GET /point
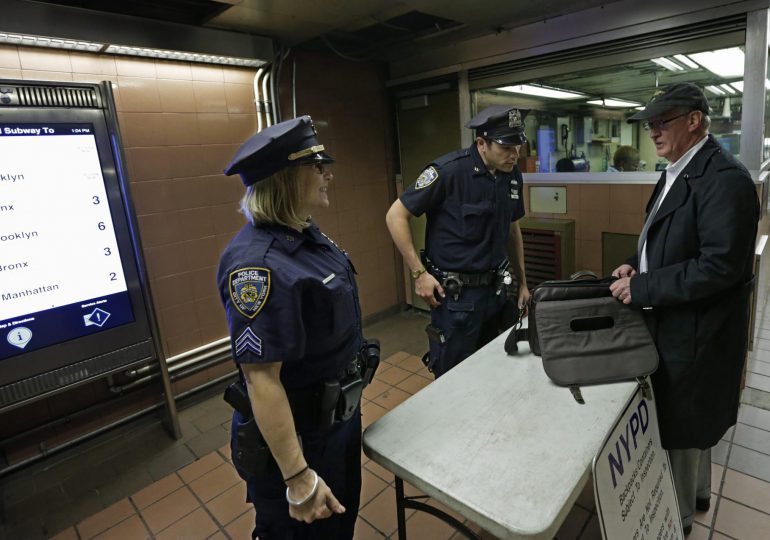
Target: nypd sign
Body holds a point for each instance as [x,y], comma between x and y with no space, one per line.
[633,486]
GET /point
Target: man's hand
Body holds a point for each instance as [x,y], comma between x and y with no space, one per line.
[623,271]
[320,506]
[523,301]
[424,287]
[621,289]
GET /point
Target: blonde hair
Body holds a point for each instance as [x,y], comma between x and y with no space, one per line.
[276,199]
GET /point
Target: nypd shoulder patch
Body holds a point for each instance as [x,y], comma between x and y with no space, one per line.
[427,177]
[249,289]
[248,341]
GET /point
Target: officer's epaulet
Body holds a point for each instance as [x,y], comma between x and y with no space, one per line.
[450,157]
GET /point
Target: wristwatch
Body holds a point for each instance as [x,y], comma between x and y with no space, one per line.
[417,273]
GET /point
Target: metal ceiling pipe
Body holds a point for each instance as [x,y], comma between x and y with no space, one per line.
[257,99]
[267,99]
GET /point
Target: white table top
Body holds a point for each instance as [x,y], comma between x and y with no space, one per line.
[495,440]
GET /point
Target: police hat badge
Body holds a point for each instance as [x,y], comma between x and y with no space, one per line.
[514,118]
[249,288]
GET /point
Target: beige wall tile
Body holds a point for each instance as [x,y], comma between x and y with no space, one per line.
[139,95]
[593,224]
[180,129]
[158,229]
[208,72]
[128,66]
[242,126]
[210,97]
[179,320]
[9,57]
[625,223]
[205,278]
[625,198]
[240,98]
[7,73]
[176,96]
[594,197]
[92,63]
[40,59]
[148,162]
[214,128]
[215,157]
[239,75]
[61,76]
[142,129]
[180,343]
[169,69]
[185,161]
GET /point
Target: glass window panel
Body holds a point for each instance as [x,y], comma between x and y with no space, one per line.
[586,129]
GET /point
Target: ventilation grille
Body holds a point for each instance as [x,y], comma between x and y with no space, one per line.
[542,255]
[58,96]
[72,374]
[618,46]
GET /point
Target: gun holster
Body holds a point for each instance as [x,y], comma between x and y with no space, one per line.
[251,455]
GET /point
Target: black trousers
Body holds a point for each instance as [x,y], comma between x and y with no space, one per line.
[335,454]
[477,317]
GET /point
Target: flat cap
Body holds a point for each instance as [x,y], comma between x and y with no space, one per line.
[501,123]
[680,95]
[293,142]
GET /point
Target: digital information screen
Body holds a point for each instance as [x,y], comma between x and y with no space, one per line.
[61,275]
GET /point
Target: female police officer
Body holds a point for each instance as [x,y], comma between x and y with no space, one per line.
[295,326]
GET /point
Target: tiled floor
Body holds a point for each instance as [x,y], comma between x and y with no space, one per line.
[137,484]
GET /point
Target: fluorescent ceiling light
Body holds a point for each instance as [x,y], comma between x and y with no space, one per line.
[668,64]
[686,61]
[727,88]
[184,56]
[611,102]
[738,85]
[639,108]
[53,43]
[541,91]
[724,62]
[89,46]
[715,90]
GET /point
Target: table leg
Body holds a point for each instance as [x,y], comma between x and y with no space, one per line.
[400,509]
[402,503]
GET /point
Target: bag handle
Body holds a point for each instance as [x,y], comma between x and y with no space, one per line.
[582,274]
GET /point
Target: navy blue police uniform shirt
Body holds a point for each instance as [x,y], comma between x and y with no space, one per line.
[290,297]
[468,211]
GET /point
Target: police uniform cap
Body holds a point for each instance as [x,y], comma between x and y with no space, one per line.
[501,123]
[292,142]
[681,95]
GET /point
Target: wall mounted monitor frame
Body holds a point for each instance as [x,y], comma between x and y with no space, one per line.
[74,296]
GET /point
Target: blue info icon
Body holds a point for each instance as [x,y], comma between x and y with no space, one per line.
[19,336]
[96,318]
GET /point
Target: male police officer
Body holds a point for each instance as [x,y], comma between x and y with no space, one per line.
[472,199]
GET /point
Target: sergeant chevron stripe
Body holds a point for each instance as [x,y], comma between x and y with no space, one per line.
[248,341]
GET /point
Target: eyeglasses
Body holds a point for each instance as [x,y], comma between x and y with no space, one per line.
[320,168]
[660,125]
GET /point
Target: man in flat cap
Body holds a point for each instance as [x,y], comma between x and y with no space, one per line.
[473,199]
[693,275]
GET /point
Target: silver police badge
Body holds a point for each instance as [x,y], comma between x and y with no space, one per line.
[514,190]
[514,118]
[427,177]
[249,288]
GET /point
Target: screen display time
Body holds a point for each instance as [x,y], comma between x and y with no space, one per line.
[61,275]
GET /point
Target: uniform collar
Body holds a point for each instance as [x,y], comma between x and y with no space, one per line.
[479,167]
[288,238]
